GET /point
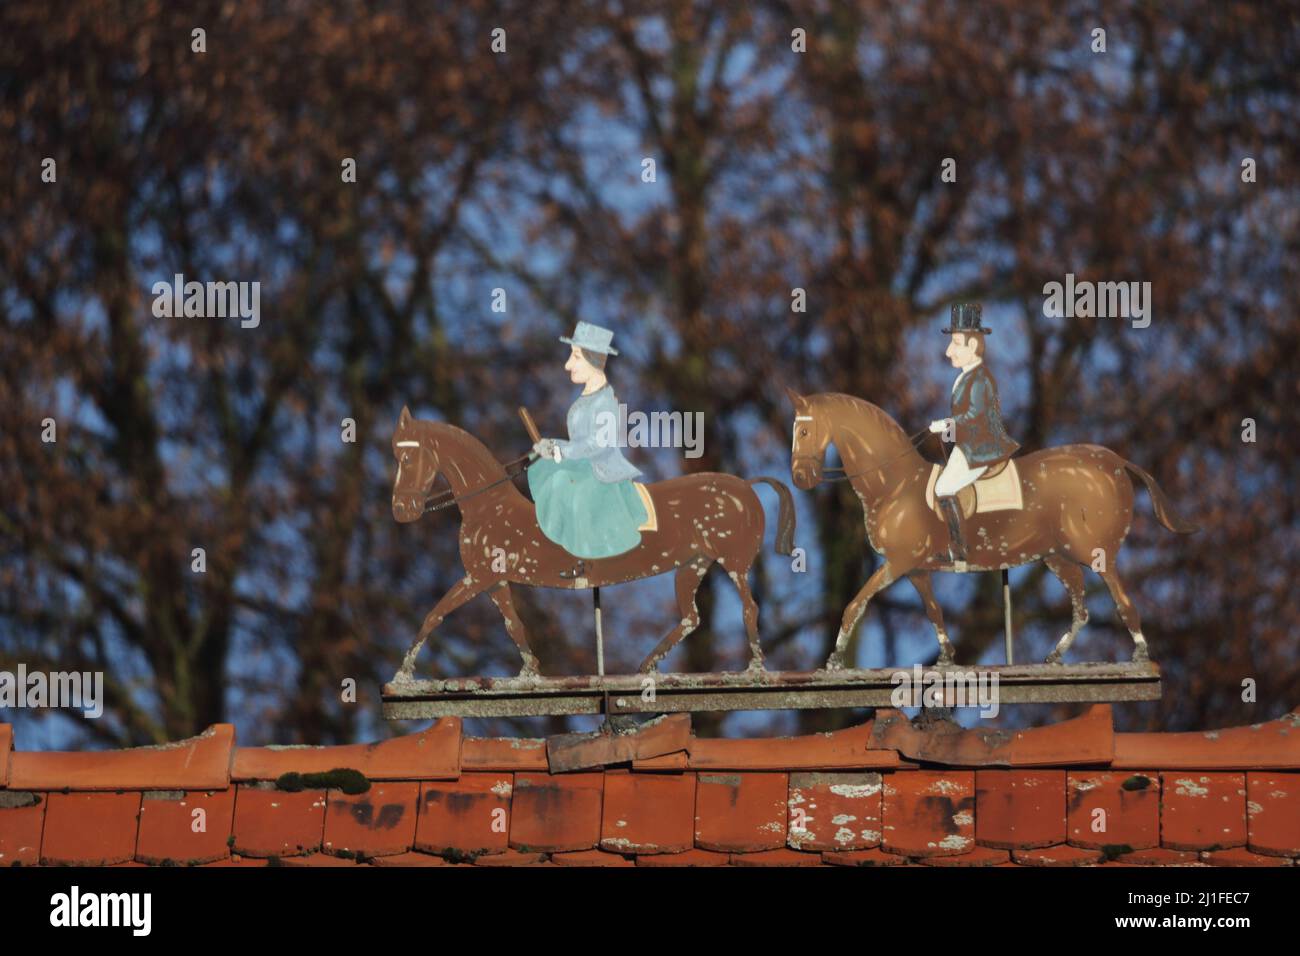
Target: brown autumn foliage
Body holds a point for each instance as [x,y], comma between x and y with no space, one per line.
[775,170]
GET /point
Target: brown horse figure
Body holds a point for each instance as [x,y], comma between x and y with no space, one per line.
[701,519]
[1078,506]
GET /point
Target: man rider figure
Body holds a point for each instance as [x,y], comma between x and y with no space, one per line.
[976,423]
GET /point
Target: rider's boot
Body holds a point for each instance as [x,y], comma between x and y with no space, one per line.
[956,544]
[578,570]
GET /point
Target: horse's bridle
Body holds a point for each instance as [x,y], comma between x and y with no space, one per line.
[912,443]
[445,499]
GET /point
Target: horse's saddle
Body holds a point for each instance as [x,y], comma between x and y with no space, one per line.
[651,522]
[996,490]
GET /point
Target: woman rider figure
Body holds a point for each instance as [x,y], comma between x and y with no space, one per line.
[582,487]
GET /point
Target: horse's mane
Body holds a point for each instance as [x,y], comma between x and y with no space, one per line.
[477,453]
[861,407]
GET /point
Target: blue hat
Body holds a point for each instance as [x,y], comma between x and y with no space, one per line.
[592,338]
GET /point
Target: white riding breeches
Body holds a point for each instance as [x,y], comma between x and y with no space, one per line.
[956,475]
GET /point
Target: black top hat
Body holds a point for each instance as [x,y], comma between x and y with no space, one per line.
[966,318]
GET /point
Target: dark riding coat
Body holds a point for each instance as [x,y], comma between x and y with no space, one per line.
[977,419]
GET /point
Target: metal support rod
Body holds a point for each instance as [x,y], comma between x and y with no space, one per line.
[600,637]
[1006,612]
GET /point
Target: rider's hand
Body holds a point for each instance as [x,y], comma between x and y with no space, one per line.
[939,425]
[546,448]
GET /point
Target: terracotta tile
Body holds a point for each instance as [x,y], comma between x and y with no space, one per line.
[1202,811]
[834,811]
[465,818]
[782,857]
[980,856]
[314,860]
[432,754]
[873,857]
[1063,855]
[241,861]
[556,813]
[503,753]
[379,822]
[672,763]
[1158,856]
[662,735]
[90,829]
[413,858]
[929,812]
[511,858]
[1273,813]
[1274,745]
[276,823]
[1019,808]
[1088,739]
[689,858]
[648,812]
[848,749]
[740,812]
[6,748]
[199,763]
[590,858]
[1240,856]
[22,817]
[171,828]
[1129,805]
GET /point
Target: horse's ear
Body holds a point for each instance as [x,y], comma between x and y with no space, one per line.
[405,417]
[796,399]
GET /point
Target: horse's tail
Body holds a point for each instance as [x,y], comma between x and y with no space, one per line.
[1160,503]
[785,516]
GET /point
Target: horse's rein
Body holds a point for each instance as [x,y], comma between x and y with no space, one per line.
[445,499]
[912,442]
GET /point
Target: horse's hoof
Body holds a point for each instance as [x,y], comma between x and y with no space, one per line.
[833,663]
[756,666]
[1053,658]
[1141,655]
[404,675]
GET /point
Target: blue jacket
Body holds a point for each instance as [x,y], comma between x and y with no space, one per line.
[977,417]
[594,430]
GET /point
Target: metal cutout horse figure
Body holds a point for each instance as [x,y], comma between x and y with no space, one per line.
[702,519]
[1078,505]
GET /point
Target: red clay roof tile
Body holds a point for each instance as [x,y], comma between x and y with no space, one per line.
[834,811]
[590,858]
[1202,811]
[1273,813]
[22,818]
[663,735]
[669,763]
[979,856]
[1113,809]
[741,812]
[185,827]
[689,858]
[6,747]
[432,754]
[848,749]
[1274,745]
[782,857]
[1088,739]
[277,823]
[556,813]
[1020,808]
[465,818]
[648,812]
[503,753]
[198,763]
[511,858]
[379,822]
[413,858]
[90,829]
[929,813]
[1062,855]
[1240,856]
[316,859]
[873,857]
[1158,856]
